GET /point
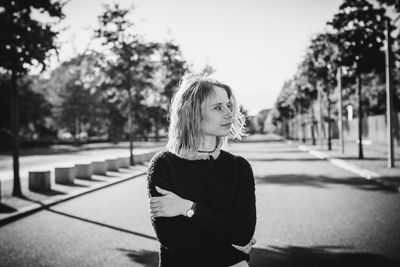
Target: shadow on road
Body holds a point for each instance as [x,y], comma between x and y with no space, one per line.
[6,209]
[263,150]
[323,182]
[290,256]
[282,159]
[50,192]
[326,256]
[102,224]
[145,257]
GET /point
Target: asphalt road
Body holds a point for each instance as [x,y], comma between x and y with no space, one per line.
[310,213]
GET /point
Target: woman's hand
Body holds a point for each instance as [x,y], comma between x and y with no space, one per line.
[246,249]
[168,205]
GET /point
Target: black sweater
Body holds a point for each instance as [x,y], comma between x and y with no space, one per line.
[223,193]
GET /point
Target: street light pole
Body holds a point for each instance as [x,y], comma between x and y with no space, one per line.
[339,83]
[320,125]
[389,97]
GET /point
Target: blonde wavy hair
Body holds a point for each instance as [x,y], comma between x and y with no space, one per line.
[186,115]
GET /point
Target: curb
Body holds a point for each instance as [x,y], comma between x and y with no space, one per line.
[367,174]
[41,205]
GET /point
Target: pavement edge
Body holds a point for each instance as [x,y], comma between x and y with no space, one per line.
[364,173]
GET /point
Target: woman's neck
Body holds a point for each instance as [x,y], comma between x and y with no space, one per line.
[208,143]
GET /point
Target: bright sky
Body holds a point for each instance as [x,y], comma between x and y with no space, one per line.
[255,45]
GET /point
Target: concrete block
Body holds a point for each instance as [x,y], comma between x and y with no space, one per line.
[39,181]
[84,171]
[99,167]
[112,165]
[138,158]
[148,156]
[65,175]
[123,162]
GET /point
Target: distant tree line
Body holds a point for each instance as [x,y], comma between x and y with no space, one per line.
[122,91]
[354,42]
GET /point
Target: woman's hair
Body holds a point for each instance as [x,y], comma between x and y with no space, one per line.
[184,134]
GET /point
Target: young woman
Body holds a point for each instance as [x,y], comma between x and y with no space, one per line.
[202,198]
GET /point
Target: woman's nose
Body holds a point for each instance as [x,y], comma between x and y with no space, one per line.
[229,113]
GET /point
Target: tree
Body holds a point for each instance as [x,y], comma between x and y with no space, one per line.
[168,72]
[307,81]
[75,90]
[131,68]
[325,63]
[359,34]
[24,42]
[35,118]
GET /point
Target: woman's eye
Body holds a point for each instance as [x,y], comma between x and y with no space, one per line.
[218,107]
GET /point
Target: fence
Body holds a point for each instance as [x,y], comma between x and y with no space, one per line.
[374,129]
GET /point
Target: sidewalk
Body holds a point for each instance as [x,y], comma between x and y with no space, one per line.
[373,166]
[13,208]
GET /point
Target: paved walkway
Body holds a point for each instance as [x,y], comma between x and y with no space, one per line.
[374,166]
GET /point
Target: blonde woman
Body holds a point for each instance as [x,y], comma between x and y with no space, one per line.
[202,198]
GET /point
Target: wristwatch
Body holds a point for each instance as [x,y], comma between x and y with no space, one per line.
[190,212]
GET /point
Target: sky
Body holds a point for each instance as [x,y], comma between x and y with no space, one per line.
[254,45]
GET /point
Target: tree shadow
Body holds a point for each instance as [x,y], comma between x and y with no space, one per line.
[326,256]
[283,159]
[320,181]
[91,179]
[146,257]
[50,192]
[6,209]
[109,175]
[72,184]
[267,151]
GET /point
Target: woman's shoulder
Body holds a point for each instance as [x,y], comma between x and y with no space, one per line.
[160,157]
[237,159]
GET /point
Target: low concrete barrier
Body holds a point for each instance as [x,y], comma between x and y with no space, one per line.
[99,167]
[84,171]
[123,162]
[39,181]
[112,165]
[148,156]
[65,175]
[138,158]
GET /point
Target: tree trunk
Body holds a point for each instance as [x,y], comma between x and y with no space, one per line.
[321,125]
[77,131]
[312,125]
[131,161]
[157,124]
[360,117]
[329,118]
[15,130]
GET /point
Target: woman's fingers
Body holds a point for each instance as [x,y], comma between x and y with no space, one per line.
[155,205]
[162,191]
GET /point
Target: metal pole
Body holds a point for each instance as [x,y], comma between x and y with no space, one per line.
[339,82]
[360,115]
[320,125]
[389,98]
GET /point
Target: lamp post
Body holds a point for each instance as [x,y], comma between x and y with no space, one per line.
[389,97]
[339,84]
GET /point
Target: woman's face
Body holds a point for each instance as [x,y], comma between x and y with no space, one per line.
[217,114]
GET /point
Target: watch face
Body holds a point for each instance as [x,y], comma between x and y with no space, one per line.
[190,213]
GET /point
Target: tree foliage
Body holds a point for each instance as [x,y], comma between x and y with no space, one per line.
[25,41]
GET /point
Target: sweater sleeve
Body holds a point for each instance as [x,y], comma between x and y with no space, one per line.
[239,226]
[172,232]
